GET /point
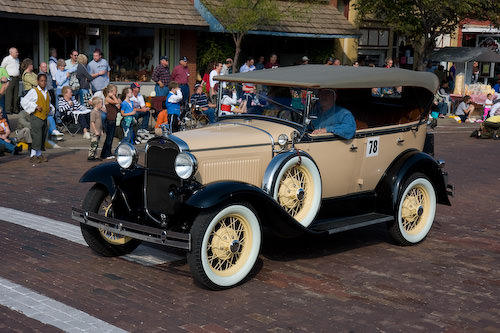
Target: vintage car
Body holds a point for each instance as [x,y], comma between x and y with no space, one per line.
[264,166]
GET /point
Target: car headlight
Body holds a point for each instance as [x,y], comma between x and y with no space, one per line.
[282,139]
[185,165]
[126,155]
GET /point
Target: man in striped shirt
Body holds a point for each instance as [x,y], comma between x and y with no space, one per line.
[199,100]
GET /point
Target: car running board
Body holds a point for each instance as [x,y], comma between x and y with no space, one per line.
[348,223]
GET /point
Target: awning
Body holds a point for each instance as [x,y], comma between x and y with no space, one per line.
[171,13]
[318,21]
[465,54]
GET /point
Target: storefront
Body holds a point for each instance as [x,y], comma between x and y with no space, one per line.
[311,34]
[132,44]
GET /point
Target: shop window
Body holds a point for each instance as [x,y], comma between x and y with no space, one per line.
[131,53]
[374,37]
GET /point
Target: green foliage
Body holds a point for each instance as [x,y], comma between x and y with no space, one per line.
[426,19]
[320,54]
[213,49]
[240,16]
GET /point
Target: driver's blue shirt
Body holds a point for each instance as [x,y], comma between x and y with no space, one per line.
[337,120]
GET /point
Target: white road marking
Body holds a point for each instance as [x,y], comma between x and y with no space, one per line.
[49,311]
[143,255]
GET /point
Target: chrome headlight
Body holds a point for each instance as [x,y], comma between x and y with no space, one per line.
[282,139]
[126,155]
[185,165]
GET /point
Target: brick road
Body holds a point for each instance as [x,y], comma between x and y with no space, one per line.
[356,281]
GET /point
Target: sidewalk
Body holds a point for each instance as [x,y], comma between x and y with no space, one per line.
[76,142]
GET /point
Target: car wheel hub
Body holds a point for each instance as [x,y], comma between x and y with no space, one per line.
[225,243]
[290,193]
[235,246]
[413,209]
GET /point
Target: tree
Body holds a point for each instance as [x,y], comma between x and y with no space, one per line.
[241,16]
[211,50]
[422,21]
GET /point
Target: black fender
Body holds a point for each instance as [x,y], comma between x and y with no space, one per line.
[405,164]
[111,175]
[269,211]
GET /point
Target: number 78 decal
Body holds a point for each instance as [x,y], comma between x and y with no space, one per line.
[372,146]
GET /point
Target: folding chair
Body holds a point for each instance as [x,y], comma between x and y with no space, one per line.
[199,116]
[70,121]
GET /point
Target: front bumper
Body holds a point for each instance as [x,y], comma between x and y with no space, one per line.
[134,230]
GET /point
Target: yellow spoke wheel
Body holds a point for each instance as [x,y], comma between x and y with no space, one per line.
[416,211]
[106,210]
[225,245]
[298,189]
[104,242]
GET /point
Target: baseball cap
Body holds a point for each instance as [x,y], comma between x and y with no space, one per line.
[305,58]
[184,59]
[330,59]
[164,58]
[135,85]
[197,85]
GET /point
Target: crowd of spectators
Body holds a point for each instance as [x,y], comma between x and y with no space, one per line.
[56,98]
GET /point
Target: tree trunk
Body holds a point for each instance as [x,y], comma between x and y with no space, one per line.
[237,37]
[418,55]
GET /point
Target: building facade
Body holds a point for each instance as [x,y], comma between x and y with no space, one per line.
[133,35]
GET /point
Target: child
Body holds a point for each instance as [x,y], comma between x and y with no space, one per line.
[128,113]
[174,98]
[37,104]
[487,106]
[228,102]
[161,121]
[5,142]
[112,104]
[95,128]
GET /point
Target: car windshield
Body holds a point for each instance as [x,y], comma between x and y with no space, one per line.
[286,103]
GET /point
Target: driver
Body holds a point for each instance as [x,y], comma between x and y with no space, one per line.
[332,118]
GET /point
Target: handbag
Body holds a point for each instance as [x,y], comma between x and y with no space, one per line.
[73,82]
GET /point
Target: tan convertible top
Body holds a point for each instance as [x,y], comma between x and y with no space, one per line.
[321,76]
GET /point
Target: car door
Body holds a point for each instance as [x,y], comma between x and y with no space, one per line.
[338,161]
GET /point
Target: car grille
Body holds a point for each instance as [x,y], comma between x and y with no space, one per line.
[161,180]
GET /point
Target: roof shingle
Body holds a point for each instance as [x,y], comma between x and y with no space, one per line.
[317,20]
[156,12]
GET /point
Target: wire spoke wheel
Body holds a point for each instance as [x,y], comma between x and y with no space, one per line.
[107,210]
[106,243]
[293,190]
[416,211]
[225,245]
[297,189]
[226,250]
